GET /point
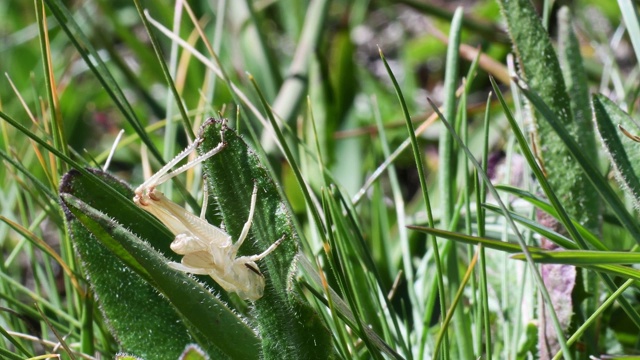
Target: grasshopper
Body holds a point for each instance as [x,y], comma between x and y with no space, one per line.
[206,249]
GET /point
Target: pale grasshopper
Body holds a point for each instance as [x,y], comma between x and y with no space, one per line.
[206,249]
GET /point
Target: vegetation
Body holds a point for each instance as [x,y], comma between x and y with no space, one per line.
[440,177]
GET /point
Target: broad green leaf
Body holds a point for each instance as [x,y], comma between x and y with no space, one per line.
[128,275]
[623,152]
[540,66]
[143,323]
[541,69]
[289,328]
[575,78]
[599,182]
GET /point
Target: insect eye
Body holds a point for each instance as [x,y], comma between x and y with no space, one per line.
[250,267]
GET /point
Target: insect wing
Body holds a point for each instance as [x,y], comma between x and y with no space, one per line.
[180,221]
[187,243]
[187,269]
[199,260]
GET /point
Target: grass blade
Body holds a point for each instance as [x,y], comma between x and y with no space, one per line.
[623,152]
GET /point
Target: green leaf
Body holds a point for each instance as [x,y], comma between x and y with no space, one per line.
[540,66]
[126,273]
[143,322]
[541,69]
[472,240]
[575,78]
[582,257]
[447,153]
[126,357]
[591,171]
[553,236]
[623,152]
[193,353]
[352,267]
[599,182]
[540,255]
[290,329]
[585,234]
[447,182]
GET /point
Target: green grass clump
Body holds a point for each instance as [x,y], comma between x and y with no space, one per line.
[500,234]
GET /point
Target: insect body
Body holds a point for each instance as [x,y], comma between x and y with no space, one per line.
[206,249]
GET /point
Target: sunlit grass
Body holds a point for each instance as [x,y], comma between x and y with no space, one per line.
[330,97]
